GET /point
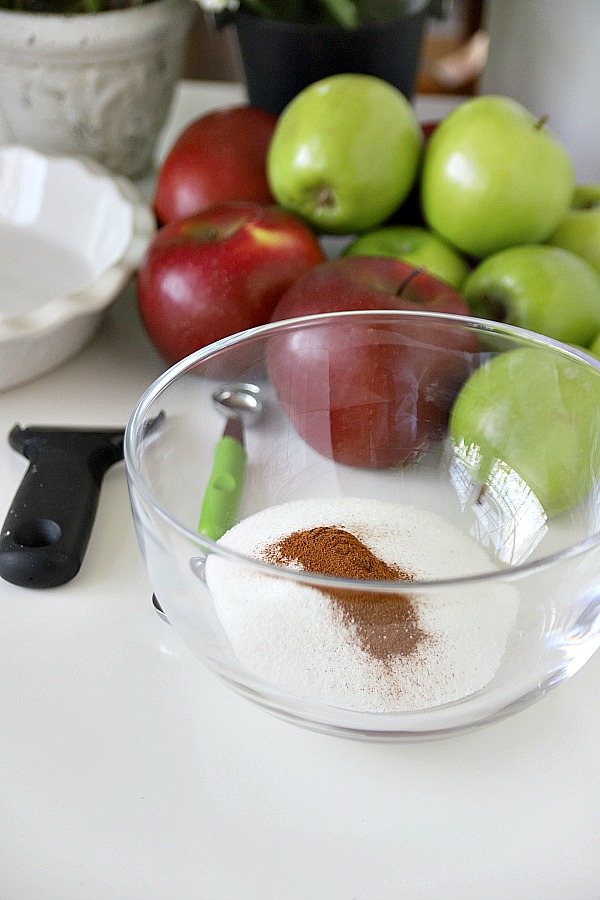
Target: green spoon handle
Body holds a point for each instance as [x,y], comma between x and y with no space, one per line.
[222,497]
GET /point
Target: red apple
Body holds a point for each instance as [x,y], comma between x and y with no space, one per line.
[219,157]
[428,128]
[369,393]
[219,272]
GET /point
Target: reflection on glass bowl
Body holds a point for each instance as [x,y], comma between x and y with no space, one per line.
[403,602]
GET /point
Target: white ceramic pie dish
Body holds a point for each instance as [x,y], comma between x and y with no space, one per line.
[71,236]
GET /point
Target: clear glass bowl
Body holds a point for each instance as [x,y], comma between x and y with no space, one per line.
[492,603]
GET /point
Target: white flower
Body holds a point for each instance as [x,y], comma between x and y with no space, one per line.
[218,5]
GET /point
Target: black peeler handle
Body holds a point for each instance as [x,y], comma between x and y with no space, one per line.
[48,526]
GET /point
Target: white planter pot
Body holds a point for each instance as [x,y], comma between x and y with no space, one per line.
[99,84]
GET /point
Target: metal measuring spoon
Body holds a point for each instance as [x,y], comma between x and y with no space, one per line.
[240,400]
[242,404]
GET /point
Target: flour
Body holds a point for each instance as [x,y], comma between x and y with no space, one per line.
[295,637]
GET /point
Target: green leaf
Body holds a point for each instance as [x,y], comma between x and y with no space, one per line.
[344,12]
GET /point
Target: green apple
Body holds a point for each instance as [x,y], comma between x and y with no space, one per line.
[345,152]
[594,347]
[593,353]
[526,425]
[493,177]
[415,245]
[579,231]
[542,288]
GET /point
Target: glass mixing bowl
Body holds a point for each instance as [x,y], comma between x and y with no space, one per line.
[352,444]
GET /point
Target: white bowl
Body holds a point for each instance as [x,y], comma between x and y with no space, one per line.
[71,236]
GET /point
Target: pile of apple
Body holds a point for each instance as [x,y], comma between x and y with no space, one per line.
[477,214]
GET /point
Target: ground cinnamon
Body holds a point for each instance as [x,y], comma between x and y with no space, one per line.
[386,624]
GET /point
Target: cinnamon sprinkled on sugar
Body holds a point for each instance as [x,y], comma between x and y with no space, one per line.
[386,624]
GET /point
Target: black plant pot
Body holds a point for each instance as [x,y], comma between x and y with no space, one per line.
[281,58]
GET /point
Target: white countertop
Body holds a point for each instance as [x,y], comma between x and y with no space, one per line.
[127,772]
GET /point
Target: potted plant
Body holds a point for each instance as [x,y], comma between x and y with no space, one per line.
[286,44]
[91,77]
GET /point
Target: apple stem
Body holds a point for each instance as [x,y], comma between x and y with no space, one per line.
[326,198]
[404,284]
[543,120]
[201,231]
